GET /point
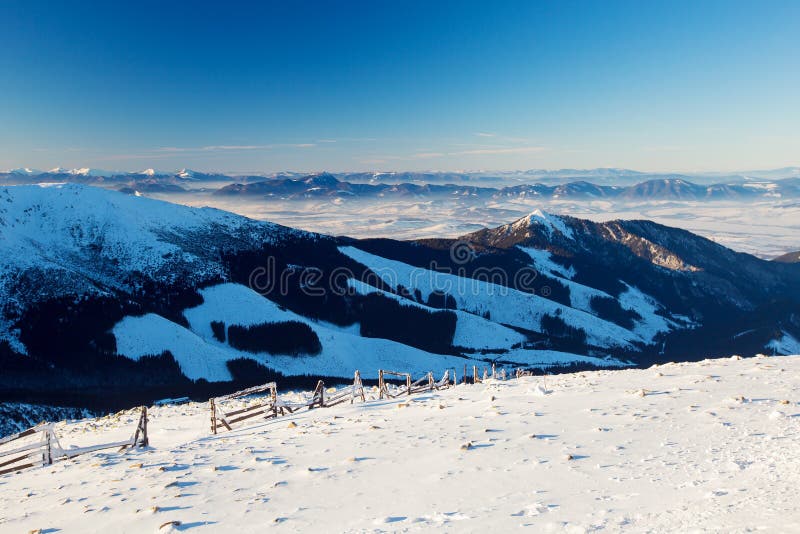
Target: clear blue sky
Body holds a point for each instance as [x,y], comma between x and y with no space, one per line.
[266,86]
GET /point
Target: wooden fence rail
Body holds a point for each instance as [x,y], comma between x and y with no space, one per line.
[47,448]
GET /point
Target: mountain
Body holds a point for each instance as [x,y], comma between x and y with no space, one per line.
[566,184]
[110,299]
[678,189]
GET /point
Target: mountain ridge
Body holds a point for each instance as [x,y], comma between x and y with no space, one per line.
[106,290]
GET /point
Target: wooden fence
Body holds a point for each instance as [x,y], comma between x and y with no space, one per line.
[272,406]
[47,449]
[31,452]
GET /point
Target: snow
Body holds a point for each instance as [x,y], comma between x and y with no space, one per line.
[648,327]
[200,355]
[551,223]
[151,334]
[234,304]
[543,261]
[505,305]
[652,322]
[76,235]
[25,171]
[689,447]
[41,223]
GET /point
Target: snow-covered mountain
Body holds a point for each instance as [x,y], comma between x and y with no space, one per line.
[613,184]
[327,185]
[113,292]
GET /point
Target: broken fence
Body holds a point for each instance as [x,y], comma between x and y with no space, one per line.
[47,449]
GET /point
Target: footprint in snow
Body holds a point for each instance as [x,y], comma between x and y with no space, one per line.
[390,519]
[534,509]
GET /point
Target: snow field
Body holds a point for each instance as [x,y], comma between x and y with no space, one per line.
[683,447]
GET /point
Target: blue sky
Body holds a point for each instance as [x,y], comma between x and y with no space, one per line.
[266,86]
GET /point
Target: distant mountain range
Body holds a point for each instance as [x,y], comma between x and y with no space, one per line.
[631,186]
[109,299]
[604,176]
[327,185]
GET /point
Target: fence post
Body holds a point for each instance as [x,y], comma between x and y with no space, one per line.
[408,383]
[48,450]
[465,374]
[145,439]
[493,371]
[380,383]
[475,378]
[213,416]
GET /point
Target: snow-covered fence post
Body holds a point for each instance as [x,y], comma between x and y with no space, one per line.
[140,438]
[380,384]
[408,383]
[358,388]
[319,395]
[213,416]
[465,374]
[494,373]
[475,379]
[48,448]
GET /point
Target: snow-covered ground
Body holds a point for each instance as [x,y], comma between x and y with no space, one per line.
[707,446]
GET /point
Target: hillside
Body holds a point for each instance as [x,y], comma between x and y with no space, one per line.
[706,446]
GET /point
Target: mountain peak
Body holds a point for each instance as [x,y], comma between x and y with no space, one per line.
[549,222]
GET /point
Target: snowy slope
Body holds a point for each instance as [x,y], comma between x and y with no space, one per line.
[68,239]
[652,320]
[693,447]
[504,305]
[200,355]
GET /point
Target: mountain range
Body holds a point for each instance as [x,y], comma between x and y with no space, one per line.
[611,184]
[327,185]
[110,299]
